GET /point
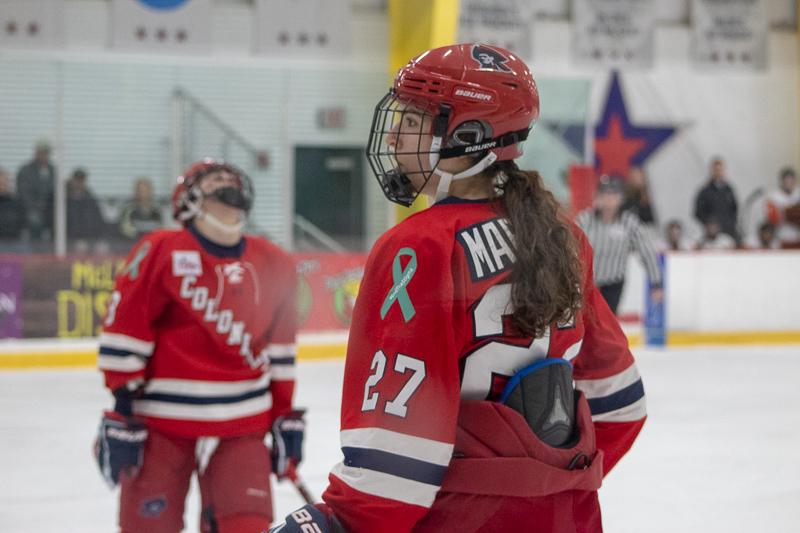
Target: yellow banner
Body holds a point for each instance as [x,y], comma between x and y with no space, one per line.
[416,26]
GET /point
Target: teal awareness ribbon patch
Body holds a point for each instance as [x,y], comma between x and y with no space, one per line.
[132,268]
[401,278]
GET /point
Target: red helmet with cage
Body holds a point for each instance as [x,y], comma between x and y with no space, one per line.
[187,197]
[482,100]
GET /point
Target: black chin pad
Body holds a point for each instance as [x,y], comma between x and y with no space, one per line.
[233,197]
[544,395]
[398,188]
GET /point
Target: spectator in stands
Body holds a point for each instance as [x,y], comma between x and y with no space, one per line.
[85,224]
[674,238]
[717,200]
[714,238]
[12,214]
[637,196]
[142,214]
[765,239]
[613,234]
[35,188]
[783,209]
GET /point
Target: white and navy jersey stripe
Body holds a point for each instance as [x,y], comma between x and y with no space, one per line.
[393,465]
[282,361]
[613,242]
[209,401]
[618,398]
[121,353]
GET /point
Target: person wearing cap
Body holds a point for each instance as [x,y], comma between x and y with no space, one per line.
[35,188]
[613,234]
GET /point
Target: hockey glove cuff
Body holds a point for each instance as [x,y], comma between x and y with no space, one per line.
[287,442]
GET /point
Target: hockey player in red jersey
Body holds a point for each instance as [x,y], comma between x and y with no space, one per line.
[487,385]
[198,349]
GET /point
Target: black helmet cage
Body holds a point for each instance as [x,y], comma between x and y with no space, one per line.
[463,140]
[389,113]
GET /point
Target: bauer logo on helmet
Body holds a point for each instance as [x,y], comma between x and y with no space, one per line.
[473,95]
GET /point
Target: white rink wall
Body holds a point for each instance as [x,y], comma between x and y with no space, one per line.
[734,291]
[724,292]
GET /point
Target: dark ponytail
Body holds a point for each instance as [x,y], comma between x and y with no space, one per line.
[547,277]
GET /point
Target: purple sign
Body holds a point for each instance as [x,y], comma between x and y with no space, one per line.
[10,300]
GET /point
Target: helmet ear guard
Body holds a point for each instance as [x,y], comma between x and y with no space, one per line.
[468,133]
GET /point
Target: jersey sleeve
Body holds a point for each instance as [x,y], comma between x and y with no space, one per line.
[128,337]
[401,389]
[281,346]
[606,372]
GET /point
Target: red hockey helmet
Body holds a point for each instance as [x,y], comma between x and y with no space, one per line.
[481,100]
[187,197]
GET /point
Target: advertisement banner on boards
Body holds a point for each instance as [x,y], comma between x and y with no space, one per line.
[47,297]
[10,299]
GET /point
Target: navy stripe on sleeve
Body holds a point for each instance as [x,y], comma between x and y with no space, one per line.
[396,465]
[106,350]
[281,360]
[618,400]
[204,400]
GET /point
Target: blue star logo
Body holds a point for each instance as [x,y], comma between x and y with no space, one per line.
[618,143]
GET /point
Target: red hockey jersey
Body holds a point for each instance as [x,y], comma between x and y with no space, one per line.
[208,331]
[430,330]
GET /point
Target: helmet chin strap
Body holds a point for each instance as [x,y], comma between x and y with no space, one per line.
[231,229]
[446,178]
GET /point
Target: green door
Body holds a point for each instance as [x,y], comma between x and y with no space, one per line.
[329,193]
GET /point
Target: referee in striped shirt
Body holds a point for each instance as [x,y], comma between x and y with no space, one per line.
[613,235]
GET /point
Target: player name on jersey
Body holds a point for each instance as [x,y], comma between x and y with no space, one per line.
[487,246]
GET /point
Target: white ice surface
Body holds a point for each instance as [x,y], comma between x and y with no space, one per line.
[719,453]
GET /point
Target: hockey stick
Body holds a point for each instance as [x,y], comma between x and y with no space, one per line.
[302,489]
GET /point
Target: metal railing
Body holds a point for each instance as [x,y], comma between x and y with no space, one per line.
[307,228]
